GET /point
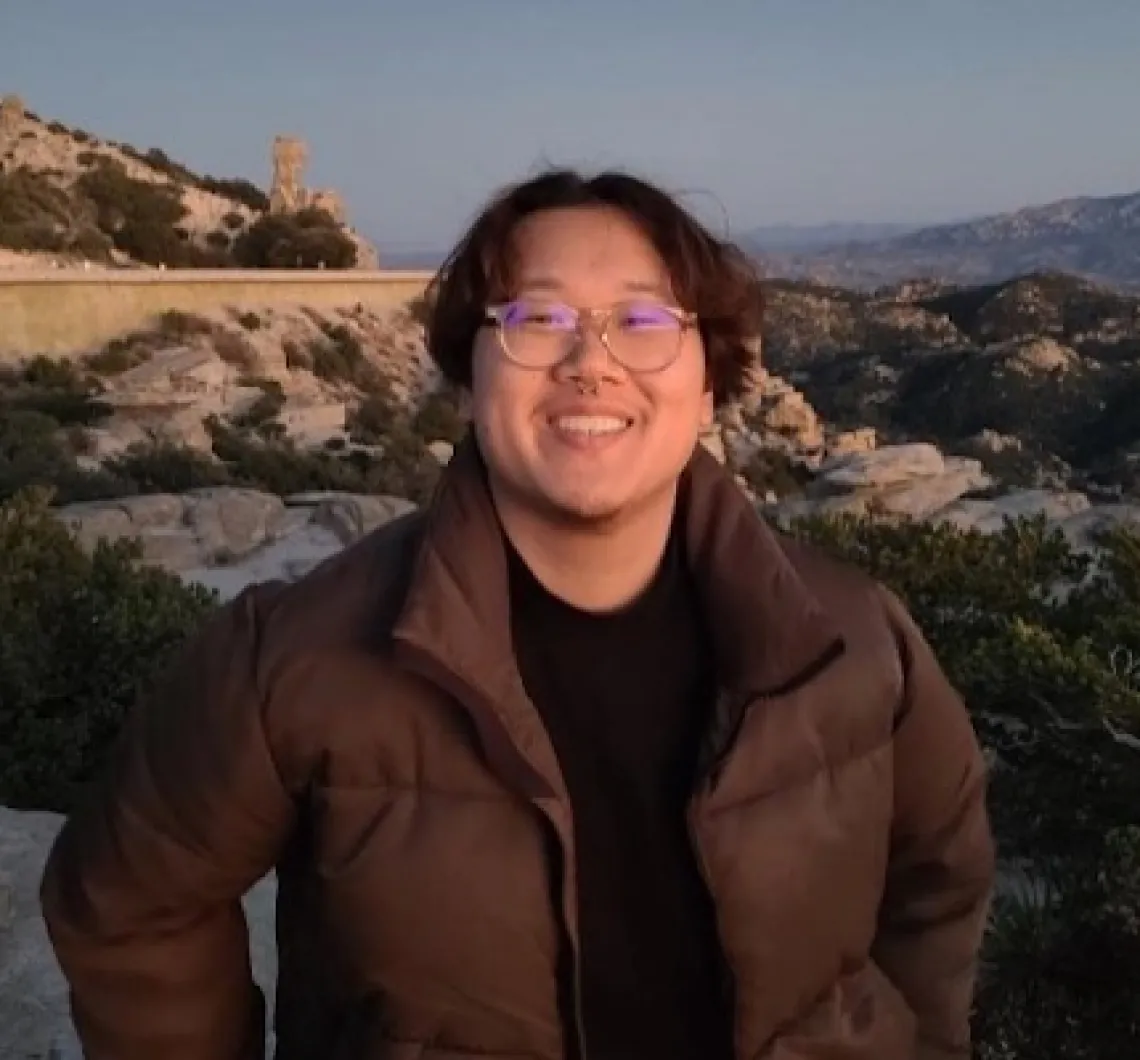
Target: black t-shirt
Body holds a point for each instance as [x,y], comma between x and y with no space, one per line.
[625,696]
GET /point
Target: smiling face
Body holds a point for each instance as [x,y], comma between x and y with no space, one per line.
[587,440]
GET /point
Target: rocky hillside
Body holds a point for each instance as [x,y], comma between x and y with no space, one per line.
[1098,238]
[1037,378]
[68,196]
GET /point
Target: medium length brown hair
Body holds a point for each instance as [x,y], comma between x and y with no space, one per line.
[710,277]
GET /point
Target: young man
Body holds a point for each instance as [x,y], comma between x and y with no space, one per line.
[582,761]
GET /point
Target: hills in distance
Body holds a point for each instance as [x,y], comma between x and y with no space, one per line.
[1094,237]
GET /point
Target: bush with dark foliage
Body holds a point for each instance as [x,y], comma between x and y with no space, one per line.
[308,239]
[82,634]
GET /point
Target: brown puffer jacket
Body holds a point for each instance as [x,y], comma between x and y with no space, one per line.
[365,731]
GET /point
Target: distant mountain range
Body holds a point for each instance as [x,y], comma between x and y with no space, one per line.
[795,238]
[1098,238]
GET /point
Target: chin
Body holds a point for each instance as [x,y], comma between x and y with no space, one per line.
[584,508]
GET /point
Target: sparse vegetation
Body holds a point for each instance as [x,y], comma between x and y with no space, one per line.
[179,325]
[309,239]
[235,349]
[36,215]
[240,190]
[772,471]
[338,357]
[997,369]
[103,208]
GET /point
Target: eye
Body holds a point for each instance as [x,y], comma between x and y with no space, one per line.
[539,315]
[645,317]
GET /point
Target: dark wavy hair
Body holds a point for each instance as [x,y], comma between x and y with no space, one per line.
[710,276]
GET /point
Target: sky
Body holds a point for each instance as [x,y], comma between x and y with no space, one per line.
[757,112]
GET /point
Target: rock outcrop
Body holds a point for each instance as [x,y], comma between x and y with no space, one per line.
[228,538]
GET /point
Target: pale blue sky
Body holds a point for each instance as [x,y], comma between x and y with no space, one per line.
[776,111]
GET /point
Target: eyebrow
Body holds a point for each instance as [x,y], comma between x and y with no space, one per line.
[549,283]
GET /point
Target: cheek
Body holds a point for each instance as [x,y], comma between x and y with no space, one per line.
[501,394]
[681,394]
[486,384]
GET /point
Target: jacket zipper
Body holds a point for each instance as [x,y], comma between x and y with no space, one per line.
[570,915]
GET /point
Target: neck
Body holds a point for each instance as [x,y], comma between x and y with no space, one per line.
[592,566]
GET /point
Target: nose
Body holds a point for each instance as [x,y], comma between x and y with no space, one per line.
[589,359]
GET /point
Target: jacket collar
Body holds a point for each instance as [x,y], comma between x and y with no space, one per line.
[767,627]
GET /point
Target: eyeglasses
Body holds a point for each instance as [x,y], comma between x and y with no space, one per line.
[642,336]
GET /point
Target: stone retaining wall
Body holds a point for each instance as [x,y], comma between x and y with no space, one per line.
[71,312]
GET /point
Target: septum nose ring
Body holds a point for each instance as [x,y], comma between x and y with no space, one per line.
[587,388]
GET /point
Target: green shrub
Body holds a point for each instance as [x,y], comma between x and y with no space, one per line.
[371,420]
[56,389]
[265,408]
[120,355]
[179,325]
[235,349]
[163,467]
[278,465]
[339,357]
[82,633]
[439,418]
[775,471]
[158,159]
[239,190]
[34,451]
[35,214]
[308,239]
[142,218]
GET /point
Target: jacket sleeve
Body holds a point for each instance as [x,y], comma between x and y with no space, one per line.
[942,863]
[141,893]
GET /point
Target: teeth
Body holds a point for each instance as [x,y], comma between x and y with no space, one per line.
[591,424]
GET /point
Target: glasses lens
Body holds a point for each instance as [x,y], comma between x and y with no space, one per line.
[538,333]
[644,336]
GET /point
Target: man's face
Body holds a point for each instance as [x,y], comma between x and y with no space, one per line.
[530,422]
